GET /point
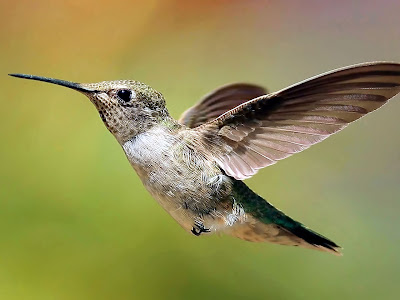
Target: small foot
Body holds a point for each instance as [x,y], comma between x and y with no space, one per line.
[199,228]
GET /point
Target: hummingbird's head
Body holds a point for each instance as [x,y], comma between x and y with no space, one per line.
[126,107]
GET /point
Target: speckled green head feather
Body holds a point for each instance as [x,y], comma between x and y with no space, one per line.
[127,107]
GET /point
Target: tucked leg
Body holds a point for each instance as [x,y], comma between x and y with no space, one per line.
[199,228]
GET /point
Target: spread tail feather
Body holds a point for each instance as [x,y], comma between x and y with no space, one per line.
[316,239]
[265,223]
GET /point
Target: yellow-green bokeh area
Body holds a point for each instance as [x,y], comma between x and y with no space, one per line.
[75,220]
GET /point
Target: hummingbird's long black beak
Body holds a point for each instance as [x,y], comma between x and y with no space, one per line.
[68,84]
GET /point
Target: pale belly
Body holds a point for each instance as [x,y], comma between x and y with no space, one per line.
[192,201]
[183,180]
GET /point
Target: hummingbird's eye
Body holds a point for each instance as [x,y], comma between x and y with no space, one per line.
[125,95]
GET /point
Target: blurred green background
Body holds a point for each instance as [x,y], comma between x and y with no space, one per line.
[75,220]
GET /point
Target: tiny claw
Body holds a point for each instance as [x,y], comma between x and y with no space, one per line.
[200,228]
[195,232]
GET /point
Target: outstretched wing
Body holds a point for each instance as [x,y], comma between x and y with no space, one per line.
[262,131]
[220,101]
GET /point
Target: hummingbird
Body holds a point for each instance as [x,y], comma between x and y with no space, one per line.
[195,166]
